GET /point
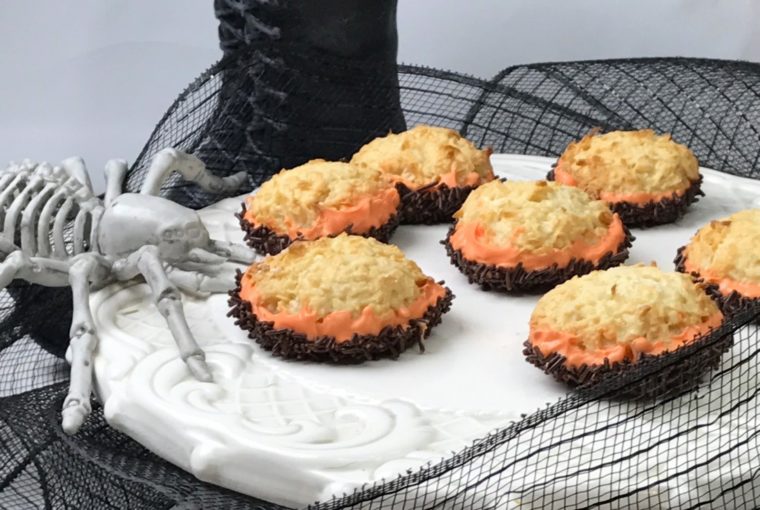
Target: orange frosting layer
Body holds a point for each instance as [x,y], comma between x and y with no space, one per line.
[343,324]
[576,354]
[472,241]
[725,285]
[563,177]
[368,212]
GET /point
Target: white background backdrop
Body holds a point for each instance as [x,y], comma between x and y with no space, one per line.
[92,77]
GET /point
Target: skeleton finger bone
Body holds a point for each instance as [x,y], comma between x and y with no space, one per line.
[192,169]
[196,259]
[205,258]
[169,304]
[200,284]
[233,252]
[199,259]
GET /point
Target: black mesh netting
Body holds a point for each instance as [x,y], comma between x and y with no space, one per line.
[270,109]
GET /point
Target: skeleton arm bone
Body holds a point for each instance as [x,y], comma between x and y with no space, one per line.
[83,340]
[146,261]
[116,170]
[192,169]
[76,168]
[42,271]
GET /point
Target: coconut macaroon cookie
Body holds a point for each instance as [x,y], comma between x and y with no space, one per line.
[607,322]
[319,199]
[646,178]
[531,235]
[435,169]
[725,256]
[344,299]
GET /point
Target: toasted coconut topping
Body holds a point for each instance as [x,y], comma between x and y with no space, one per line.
[426,155]
[728,248]
[297,199]
[629,163]
[605,309]
[344,273]
[535,216]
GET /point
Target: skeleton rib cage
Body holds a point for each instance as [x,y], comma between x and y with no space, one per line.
[48,211]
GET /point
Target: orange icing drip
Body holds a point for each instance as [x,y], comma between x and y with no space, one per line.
[449,179]
[569,345]
[343,324]
[368,212]
[563,177]
[725,285]
[471,240]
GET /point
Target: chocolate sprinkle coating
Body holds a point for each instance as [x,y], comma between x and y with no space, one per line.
[267,242]
[431,204]
[682,374]
[288,344]
[654,213]
[732,304]
[518,279]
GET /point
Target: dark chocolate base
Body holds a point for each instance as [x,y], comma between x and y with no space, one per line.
[730,304]
[681,375]
[431,204]
[267,242]
[287,344]
[518,279]
[660,212]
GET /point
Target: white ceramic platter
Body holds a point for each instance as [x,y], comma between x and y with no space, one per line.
[294,432]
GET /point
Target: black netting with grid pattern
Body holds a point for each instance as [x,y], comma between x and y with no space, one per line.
[275,108]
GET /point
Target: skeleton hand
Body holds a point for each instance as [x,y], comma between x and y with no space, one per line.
[185,258]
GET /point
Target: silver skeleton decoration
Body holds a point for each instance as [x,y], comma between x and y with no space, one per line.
[123,236]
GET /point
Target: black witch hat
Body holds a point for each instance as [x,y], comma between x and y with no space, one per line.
[299,80]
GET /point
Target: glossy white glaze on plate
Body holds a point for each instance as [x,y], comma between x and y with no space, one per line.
[296,432]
